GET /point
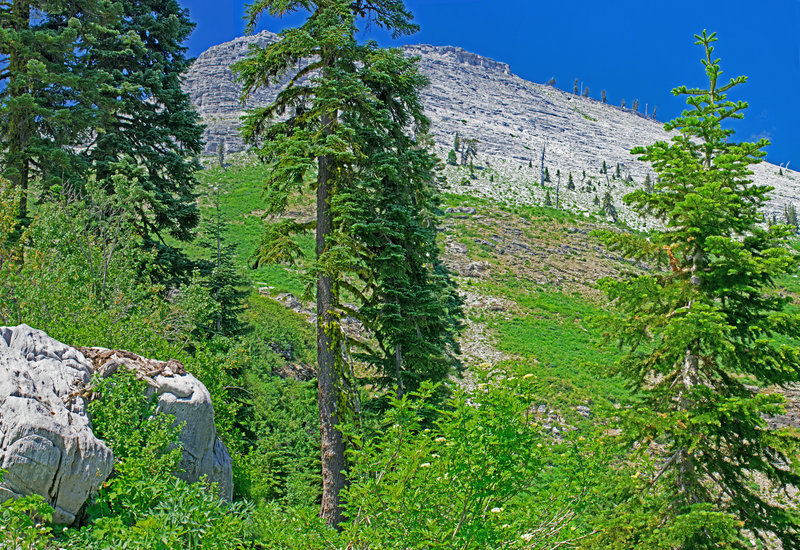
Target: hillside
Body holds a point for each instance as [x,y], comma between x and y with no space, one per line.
[513,119]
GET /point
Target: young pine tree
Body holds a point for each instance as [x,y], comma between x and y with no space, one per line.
[704,336]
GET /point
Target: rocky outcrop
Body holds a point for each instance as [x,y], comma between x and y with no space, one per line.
[513,119]
[46,441]
[187,399]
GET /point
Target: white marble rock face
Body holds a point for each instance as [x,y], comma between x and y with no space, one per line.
[46,441]
[47,445]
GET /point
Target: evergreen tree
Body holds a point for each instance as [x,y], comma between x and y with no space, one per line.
[548,201]
[635,105]
[546,175]
[648,184]
[608,207]
[575,87]
[604,168]
[451,158]
[49,90]
[622,104]
[585,92]
[221,153]
[603,96]
[552,81]
[348,125]
[618,173]
[790,213]
[227,287]
[94,85]
[457,143]
[148,119]
[703,336]
[570,183]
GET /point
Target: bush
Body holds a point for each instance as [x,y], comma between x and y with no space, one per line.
[484,473]
[22,523]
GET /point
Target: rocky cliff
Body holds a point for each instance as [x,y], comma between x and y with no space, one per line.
[514,119]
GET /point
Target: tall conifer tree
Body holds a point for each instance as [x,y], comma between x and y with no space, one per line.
[344,118]
[49,94]
[150,120]
[704,337]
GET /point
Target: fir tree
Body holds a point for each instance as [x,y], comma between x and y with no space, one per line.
[548,201]
[451,157]
[148,118]
[94,86]
[551,82]
[635,105]
[348,127]
[570,183]
[648,184]
[585,92]
[604,169]
[227,287]
[608,207]
[221,153]
[603,96]
[575,87]
[49,90]
[702,336]
[790,213]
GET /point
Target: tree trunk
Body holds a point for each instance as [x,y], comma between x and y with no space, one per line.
[690,377]
[19,130]
[332,443]
[398,365]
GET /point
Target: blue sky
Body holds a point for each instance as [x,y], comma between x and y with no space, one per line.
[631,49]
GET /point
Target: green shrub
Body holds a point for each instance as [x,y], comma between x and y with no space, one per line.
[22,523]
[484,474]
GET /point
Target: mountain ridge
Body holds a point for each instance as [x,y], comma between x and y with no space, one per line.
[513,119]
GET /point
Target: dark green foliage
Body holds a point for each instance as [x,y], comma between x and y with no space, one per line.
[648,184]
[221,153]
[703,336]
[49,91]
[603,96]
[570,183]
[383,213]
[551,82]
[604,169]
[635,105]
[546,175]
[585,92]
[575,87]
[608,207]
[451,157]
[790,214]
[95,85]
[617,173]
[548,201]
[150,121]
[226,286]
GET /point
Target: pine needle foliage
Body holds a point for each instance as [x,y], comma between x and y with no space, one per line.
[349,126]
[706,337]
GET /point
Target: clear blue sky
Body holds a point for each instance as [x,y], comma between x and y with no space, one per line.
[632,49]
